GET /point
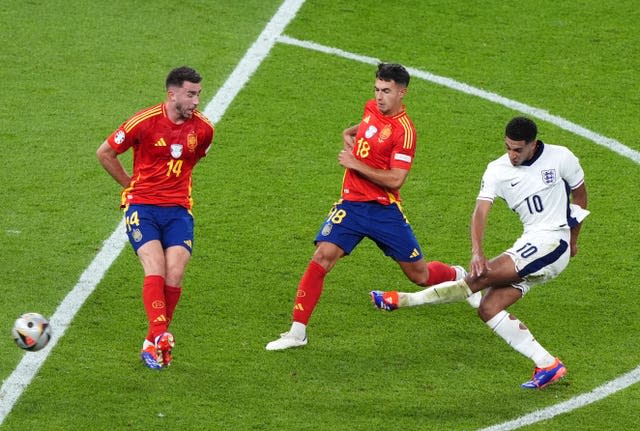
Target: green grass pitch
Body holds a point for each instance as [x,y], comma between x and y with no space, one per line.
[73,71]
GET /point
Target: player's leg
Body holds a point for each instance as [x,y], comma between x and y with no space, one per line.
[144,234]
[516,334]
[151,257]
[177,241]
[450,291]
[541,260]
[390,230]
[177,258]
[307,295]
[338,236]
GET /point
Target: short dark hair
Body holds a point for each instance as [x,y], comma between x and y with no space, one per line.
[393,72]
[521,129]
[180,74]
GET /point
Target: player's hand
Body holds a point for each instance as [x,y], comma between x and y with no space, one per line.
[479,265]
[347,159]
[349,141]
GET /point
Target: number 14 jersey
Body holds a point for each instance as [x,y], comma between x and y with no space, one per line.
[164,154]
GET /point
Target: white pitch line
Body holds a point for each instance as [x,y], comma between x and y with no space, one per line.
[606,389]
[582,400]
[28,367]
[541,114]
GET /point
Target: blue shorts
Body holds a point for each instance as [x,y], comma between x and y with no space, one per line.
[170,225]
[349,222]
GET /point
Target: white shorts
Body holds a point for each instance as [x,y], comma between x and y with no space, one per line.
[540,257]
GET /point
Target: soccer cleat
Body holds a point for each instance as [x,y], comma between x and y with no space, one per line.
[460,272]
[384,300]
[474,298]
[164,345]
[286,341]
[149,357]
[543,377]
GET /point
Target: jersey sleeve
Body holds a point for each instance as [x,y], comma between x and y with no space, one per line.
[120,140]
[488,186]
[571,171]
[405,146]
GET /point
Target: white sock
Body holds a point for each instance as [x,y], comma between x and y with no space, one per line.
[518,336]
[449,291]
[298,330]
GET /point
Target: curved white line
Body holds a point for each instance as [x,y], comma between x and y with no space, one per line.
[597,394]
[600,392]
[541,114]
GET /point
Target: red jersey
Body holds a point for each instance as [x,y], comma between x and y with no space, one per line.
[381,142]
[164,154]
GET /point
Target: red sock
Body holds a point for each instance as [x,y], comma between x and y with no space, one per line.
[440,272]
[309,291]
[172,295]
[155,305]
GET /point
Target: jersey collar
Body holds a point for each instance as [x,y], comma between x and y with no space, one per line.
[536,155]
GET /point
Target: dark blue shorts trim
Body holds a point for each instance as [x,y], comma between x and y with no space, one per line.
[545,260]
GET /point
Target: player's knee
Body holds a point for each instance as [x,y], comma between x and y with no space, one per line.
[327,256]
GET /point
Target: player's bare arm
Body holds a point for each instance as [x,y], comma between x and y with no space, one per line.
[109,160]
[349,137]
[389,178]
[479,263]
[578,197]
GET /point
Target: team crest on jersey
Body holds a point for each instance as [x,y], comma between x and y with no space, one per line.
[385,132]
[119,138]
[192,142]
[371,130]
[176,151]
[549,176]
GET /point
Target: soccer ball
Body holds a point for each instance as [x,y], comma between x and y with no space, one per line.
[31,331]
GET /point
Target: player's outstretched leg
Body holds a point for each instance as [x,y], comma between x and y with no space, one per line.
[543,377]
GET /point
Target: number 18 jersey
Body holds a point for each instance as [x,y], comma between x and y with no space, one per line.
[383,142]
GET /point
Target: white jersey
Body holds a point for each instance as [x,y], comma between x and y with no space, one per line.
[539,189]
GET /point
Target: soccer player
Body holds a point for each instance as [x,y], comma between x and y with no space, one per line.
[378,154]
[167,139]
[536,180]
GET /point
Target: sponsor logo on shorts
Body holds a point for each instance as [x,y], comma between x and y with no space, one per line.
[326,229]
